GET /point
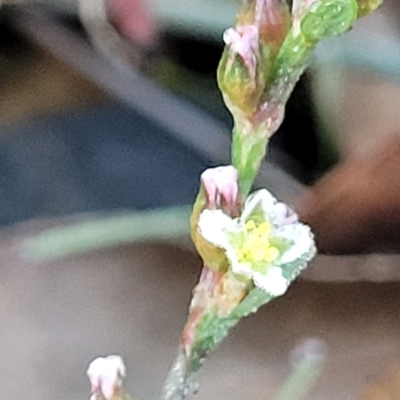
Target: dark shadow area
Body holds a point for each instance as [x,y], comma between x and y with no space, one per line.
[100,159]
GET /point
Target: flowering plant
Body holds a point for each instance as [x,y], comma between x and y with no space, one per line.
[253,246]
[251,252]
[263,243]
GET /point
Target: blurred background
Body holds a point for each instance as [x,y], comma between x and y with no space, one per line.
[83,131]
[75,139]
[113,107]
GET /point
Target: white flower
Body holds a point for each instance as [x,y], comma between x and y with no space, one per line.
[267,243]
[105,375]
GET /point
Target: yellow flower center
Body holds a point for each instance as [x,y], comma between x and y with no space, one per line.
[257,247]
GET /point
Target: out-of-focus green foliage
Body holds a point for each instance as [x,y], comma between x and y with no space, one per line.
[366,6]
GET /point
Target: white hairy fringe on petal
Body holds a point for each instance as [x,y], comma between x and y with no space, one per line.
[213,225]
[273,282]
[277,213]
[283,215]
[285,222]
[302,241]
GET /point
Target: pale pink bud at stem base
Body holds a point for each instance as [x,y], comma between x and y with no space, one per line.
[106,375]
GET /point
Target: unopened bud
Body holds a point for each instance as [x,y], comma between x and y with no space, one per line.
[219,191]
[221,188]
[251,48]
[240,77]
[275,22]
[106,375]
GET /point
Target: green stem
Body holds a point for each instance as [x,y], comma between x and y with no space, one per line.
[248,151]
[251,303]
[181,380]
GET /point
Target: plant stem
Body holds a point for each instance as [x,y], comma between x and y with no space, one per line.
[181,380]
[248,151]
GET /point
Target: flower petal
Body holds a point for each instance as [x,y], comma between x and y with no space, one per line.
[213,226]
[273,282]
[261,200]
[282,215]
[302,241]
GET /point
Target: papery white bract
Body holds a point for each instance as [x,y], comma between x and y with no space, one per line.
[263,243]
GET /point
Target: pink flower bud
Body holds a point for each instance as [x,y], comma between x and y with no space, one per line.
[221,188]
[106,375]
[243,41]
